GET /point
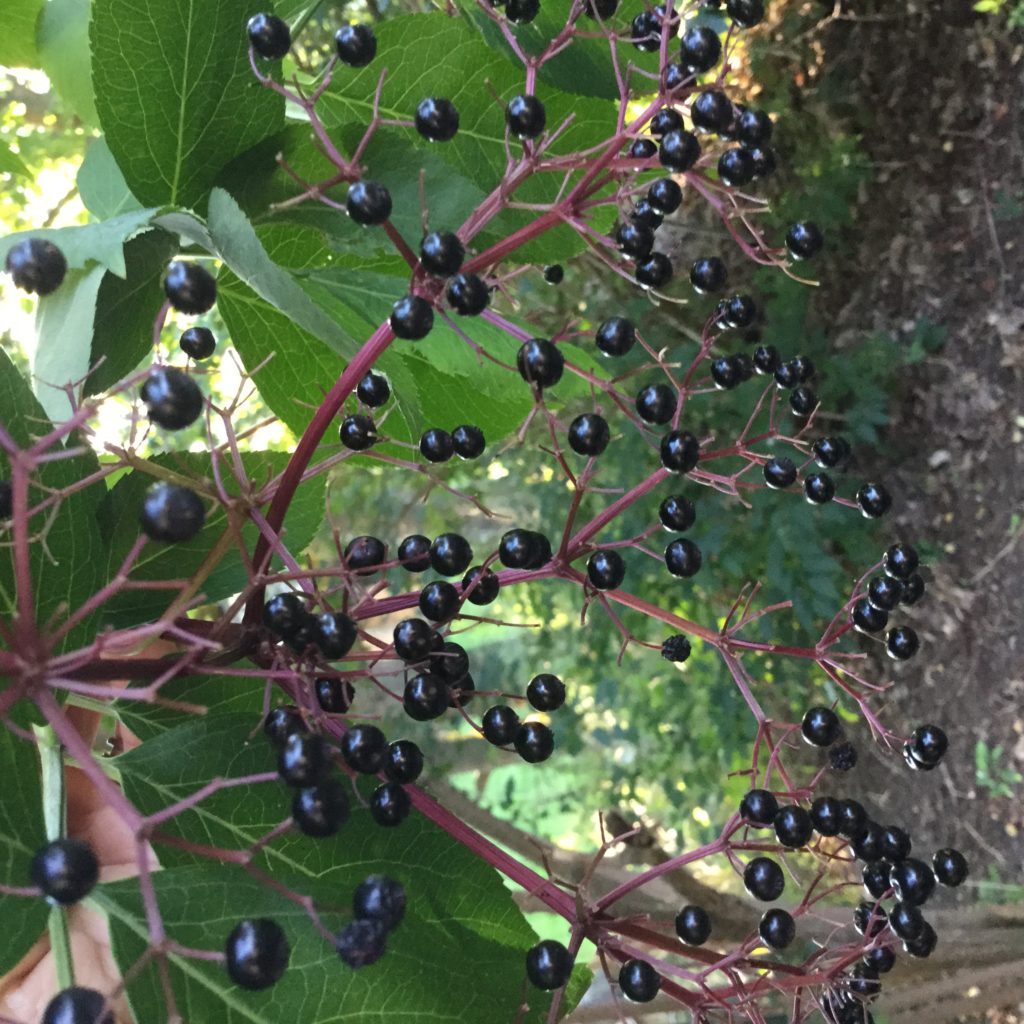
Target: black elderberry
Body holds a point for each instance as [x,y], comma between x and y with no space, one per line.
[675,76]
[821,727]
[764,162]
[450,554]
[414,553]
[645,33]
[804,240]
[364,555]
[546,692]
[364,748]
[389,804]
[436,445]
[320,811]
[740,311]
[356,45]
[304,760]
[777,928]
[664,121]
[876,878]
[639,981]
[736,168]
[190,288]
[803,401]
[534,742]
[522,12]
[334,695]
[853,819]
[269,36]
[616,336]
[766,359]
[548,965]
[480,585]
[869,920]
[368,203]
[787,375]
[864,983]
[680,451]
[819,488]
[414,639]
[602,9]
[412,318]
[171,514]
[526,117]
[880,959]
[665,196]
[589,434]
[830,452]
[500,725]
[468,441]
[896,844]
[381,899]
[373,390]
[6,499]
[198,343]
[913,881]
[683,558]
[656,403]
[335,634]
[701,48]
[906,920]
[606,570]
[758,808]
[643,149]
[779,472]
[826,815]
[928,744]
[256,954]
[468,294]
[644,213]
[913,589]
[358,432]
[693,925]
[517,549]
[764,879]
[676,648]
[439,601]
[745,13]
[901,643]
[924,945]
[442,253]
[361,943]
[724,373]
[867,618]
[403,761]
[679,151]
[842,757]
[450,662]
[900,561]
[437,119]
[867,845]
[884,592]
[711,111]
[77,1005]
[425,697]
[793,827]
[677,513]
[753,128]
[554,273]
[65,870]
[37,265]
[635,239]
[540,362]
[708,274]
[173,399]
[281,722]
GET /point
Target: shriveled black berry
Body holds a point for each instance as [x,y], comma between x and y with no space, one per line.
[379,898]
[793,827]
[364,748]
[821,726]
[901,643]
[589,434]
[548,965]
[639,981]
[764,879]
[540,362]
[256,954]
[468,294]
[826,815]
[442,253]
[616,336]
[436,445]
[777,928]
[708,274]
[356,45]
[368,203]
[358,432]
[373,390]
[414,553]
[606,570]
[173,399]
[656,403]
[677,513]
[171,514]
[190,287]
[77,1005]
[534,742]
[679,150]
[425,697]
[676,648]
[412,318]
[683,558]
[526,117]
[334,695]
[680,451]
[364,555]
[804,240]
[654,272]
[361,943]
[437,119]
[634,239]
[269,36]
[950,866]
[414,639]
[281,722]
[36,265]
[711,111]
[693,925]
[403,761]
[198,343]
[868,618]
[779,472]
[484,583]
[320,811]
[65,870]
[758,808]
[500,725]
[701,49]
[842,757]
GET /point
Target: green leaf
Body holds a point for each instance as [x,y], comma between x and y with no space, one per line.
[18,39]
[176,97]
[11,163]
[65,56]
[101,184]
[21,834]
[455,901]
[125,310]
[67,553]
[181,561]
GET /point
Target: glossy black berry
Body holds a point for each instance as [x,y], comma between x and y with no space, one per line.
[787,375]
[736,168]
[484,583]
[606,570]
[711,111]
[766,359]
[928,744]
[468,294]
[924,945]
[765,162]
[867,845]
[677,513]
[863,983]
[654,272]
[779,472]
[693,925]
[819,488]
[758,808]
[745,13]
[468,441]
[869,920]
[876,878]
[450,662]
[335,635]
[358,432]
[414,553]
[676,648]
[65,870]
[198,343]
[554,273]
[412,317]
[913,881]
[708,274]
[842,757]
[364,555]
[364,748]
[540,362]
[679,151]
[414,639]
[190,288]
[643,149]
[826,815]
[753,128]
[425,697]
[896,844]
[880,959]
[500,725]
[36,265]
[522,12]
[437,119]
[725,373]
[803,401]
[526,117]
[548,965]
[901,643]
[739,311]
[821,726]
[373,390]
[304,760]
[442,253]
[867,618]
[656,403]
[379,898]
[701,49]
[645,32]
[281,722]
[665,196]
[517,549]
[439,601]
[884,592]
[777,928]
[77,1005]
[534,742]
[793,827]
[171,514]
[334,695]
[403,761]
[450,554]
[256,954]
[356,45]
[635,239]
[589,434]
[683,558]
[664,121]
[853,819]
[906,920]
[644,213]
[616,336]
[950,866]
[804,240]
[830,452]
[368,203]
[639,981]
[546,692]
[900,561]
[361,943]
[320,811]
[436,445]
[269,36]
[389,804]
[763,879]
[172,398]
[680,451]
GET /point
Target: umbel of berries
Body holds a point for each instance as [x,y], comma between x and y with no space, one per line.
[36,265]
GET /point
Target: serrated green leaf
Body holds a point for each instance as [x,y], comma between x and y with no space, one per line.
[65,55]
[18,39]
[176,97]
[101,184]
